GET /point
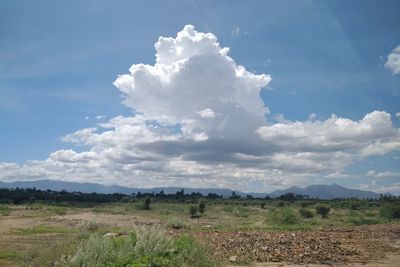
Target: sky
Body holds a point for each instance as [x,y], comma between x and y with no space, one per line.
[248,95]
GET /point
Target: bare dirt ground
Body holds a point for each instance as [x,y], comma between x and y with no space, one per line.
[352,246]
[369,245]
[391,260]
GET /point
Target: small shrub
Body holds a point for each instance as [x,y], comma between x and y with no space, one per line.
[89,227]
[176,225]
[262,205]
[152,241]
[306,213]
[4,210]
[284,217]
[193,211]
[354,205]
[281,203]
[305,204]
[390,210]
[57,210]
[323,210]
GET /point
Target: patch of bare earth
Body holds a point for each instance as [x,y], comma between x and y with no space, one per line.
[353,245]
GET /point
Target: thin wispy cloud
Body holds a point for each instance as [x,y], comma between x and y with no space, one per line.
[235,32]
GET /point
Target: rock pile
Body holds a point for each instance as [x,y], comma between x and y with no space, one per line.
[356,244]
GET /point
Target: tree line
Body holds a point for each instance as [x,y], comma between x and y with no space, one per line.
[29,195]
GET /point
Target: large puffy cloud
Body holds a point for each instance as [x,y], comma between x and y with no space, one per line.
[196,84]
[199,121]
[393,61]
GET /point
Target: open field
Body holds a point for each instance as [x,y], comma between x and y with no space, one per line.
[230,232]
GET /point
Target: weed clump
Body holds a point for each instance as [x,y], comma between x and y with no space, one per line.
[145,247]
[176,225]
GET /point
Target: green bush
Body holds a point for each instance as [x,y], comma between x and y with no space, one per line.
[323,210]
[57,210]
[306,213]
[390,210]
[284,217]
[281,203]
[193,211]
[305,204]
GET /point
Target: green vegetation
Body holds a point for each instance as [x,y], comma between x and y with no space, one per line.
[323,210]
[306,213]
[193,211]
[202,207]
[4,210]
[60,244]
[176,224]
[8,255]
[145,247]
[146,204]
[285,216]
[43,229]
[390,210]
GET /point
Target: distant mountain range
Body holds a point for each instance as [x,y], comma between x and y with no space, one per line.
[326,192]
[313,191]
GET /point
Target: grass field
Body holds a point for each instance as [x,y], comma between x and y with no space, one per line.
[125,234]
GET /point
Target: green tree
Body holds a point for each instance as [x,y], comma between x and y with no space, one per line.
[193,212]
[146,204]
[202,207]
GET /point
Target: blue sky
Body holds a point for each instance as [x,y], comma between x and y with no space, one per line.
[58,60]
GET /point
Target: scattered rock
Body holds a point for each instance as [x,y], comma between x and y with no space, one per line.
[233,258]
[110,235]
[330,246]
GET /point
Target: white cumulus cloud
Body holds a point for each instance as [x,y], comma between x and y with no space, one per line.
[200,121]
[393,61]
